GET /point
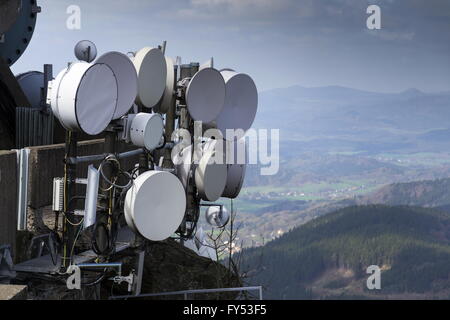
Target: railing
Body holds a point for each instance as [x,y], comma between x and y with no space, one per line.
[186,293]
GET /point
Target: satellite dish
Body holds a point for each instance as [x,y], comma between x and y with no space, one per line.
[205,96]
[237,155]
[210,177]
[241,102]
[32,83]
[84,96]
[169,96]
[183,164]
[17,24]
[147,130]
[155,205]
[86,50]
[151,69]
[235,180]
[217,216]
[9,12]
[126,77]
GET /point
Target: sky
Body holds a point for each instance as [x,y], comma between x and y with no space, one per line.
[280,43]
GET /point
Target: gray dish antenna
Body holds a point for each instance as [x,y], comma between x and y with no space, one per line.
[205,95]
[86,50]
[31,83]
[217,216]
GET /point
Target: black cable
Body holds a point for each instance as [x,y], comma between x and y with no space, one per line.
[95,282]
[95,247]
[164,143]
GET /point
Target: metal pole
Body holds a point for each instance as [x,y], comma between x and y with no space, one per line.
[143,163]
[70,220]
[105,200]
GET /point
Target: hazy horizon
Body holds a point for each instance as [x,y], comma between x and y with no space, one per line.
[279,43]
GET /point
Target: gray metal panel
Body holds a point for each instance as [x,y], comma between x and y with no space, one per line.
[22,198]
[33,128]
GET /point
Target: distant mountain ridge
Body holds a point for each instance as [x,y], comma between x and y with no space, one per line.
[358,118]
[328,257]
[427,193]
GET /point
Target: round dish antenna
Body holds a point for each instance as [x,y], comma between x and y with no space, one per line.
[31,83]
[127,81]
[210,177]
[241,102]
[237,155]
[235,180]
[155,205]
[169,95]
[9,12]
[17,23]
[183,162]
[85,50]
[217,216]
[205,96]
[84,96]
[151,69]
[147,130]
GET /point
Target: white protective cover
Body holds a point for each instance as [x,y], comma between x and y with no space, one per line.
[241,102]
[147,130]
[237,155]
[169,96]
[210,177]
[151,69]
[127,80]
[183,164]
[235,180]
[84,97]
[155,205]
[205,95]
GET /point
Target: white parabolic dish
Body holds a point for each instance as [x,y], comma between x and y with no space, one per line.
[147,130]
[205,96]
[155,205]
[210,177]
[237,155]
[235,180]
[84,97]
[127,80]
[241,102]
[169,96]
[151,69]
[183,163]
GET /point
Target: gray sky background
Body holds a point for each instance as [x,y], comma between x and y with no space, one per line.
[280,43]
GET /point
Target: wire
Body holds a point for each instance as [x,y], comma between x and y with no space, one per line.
[97,281]
[65,200]
[112,184]
[76,239]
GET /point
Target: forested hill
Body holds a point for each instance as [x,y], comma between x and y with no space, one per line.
[429,193]
[328,257]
